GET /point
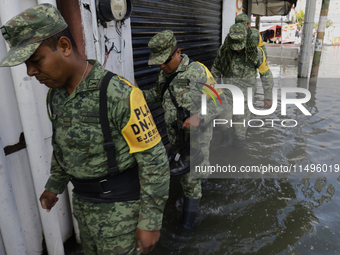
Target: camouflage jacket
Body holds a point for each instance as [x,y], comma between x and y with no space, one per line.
[78,143]
[243,74]
[257,39]
[186,88]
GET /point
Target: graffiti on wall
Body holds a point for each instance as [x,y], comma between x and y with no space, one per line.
[238,7]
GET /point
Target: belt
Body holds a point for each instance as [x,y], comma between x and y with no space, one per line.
[120,187]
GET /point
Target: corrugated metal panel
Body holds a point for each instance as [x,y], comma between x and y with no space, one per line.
[197,26]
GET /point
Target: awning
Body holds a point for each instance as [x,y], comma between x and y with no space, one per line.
[269,7]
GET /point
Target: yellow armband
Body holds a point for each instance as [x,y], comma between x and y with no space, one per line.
[264,66]
[260,44]
[211,82]
[140,132]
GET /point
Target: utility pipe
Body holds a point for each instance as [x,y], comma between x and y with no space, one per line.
[281,38]
[35,141]
[9,218]
[257,22]
[306,41]
[122,48]
[319,41]
[250,10]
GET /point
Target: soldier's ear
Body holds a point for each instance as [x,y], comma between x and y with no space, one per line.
[65,45]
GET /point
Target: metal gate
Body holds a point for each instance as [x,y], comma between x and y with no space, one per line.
[197,25]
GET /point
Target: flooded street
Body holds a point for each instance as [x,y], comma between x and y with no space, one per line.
[291,213]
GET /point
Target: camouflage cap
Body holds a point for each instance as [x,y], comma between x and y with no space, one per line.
[25,32]
[238,36]
[161,46]
[242,19]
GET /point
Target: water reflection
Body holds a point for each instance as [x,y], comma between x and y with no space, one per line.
[290,214]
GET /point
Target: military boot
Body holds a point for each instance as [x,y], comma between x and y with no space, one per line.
[190,209]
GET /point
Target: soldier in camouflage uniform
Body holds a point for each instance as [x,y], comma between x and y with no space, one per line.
[166,54]
[252,32]
[125,216]
[238,60]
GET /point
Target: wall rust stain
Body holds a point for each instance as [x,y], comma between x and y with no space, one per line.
[16,147]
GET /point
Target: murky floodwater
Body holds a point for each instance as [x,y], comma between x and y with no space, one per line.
[290,214]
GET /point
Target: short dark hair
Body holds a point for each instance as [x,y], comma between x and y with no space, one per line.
[52,41]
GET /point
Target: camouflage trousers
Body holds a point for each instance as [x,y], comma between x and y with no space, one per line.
[238,123]
[107,228]
[192,182]
[192,187]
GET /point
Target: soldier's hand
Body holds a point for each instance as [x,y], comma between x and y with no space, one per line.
[146,240]
[48,200]
[191,122]
[268,104]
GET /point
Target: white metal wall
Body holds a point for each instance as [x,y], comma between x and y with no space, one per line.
[23,109]
[229,14]
[22,104]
